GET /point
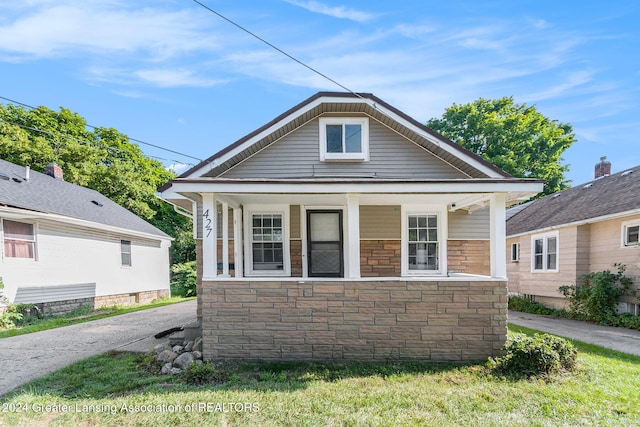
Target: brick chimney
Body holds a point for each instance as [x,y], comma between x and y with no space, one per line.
[603,168]
[54,170]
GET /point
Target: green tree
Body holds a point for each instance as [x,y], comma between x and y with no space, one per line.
[102,159]
[514,137]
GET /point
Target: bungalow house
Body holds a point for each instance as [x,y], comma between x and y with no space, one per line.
[64,246]
[554,240]
[346,230]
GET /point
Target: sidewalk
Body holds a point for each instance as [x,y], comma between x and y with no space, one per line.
[620,339]
[26,357]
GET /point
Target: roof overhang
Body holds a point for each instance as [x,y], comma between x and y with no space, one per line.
[22,214]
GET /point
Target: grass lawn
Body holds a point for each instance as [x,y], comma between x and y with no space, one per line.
[114,389]
[81,316]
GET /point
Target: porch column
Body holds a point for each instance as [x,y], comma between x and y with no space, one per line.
[498,235]
[237,241]
[225,239]
[352,239]
[209,237]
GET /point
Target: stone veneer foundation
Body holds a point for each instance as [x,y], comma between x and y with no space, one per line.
[375,320]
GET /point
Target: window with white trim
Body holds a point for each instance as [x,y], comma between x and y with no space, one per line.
[19,239]
[515,252]
[544,252]
[424,241]
[631,233]
[267,246]
[125,253]
[344,139]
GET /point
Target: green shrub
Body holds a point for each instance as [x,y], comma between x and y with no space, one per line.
[12,316]
[184,278]
[525,305]
[535,356]
[597,295]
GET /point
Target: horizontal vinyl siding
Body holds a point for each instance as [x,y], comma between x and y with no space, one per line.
[380,222]
[37,294]
[606,248]
[469,226]
[297,155]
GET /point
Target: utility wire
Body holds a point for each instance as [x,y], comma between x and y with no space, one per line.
[82,141]
[279,50]
[130,139]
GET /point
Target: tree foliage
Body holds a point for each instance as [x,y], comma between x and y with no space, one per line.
[514,137]
[102,159]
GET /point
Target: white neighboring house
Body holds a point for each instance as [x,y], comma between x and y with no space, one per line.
[64,246]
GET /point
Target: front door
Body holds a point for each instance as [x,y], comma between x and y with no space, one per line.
[324,243]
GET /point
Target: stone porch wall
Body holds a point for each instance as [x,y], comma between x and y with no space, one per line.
[380,258]
[143,297]
[353,320]
[469,256]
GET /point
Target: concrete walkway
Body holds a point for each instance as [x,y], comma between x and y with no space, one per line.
[620,339]
[26,357]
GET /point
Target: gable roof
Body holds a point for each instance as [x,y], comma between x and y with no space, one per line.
[344,102]
[45,194]
[615,194]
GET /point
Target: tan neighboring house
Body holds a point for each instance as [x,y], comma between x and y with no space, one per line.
[344,229]
[554,240]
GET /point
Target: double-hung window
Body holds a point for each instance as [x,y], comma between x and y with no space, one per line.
[19,239]
[631,233]
[544,252]
[125,253]
[424,243]
[267,247]
[515,252]
[344,139]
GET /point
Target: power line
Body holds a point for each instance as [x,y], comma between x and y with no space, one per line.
[130,139]
[82,141]
[271,45]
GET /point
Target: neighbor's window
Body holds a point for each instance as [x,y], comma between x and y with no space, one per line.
[344,139]
[125,252]
[423,242]
[19,239]
[266,242]
[544,252]
[515,252]
[630,235]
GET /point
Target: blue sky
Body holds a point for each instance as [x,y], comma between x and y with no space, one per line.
[173,74]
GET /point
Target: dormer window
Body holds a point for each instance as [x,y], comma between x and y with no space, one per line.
[344,139]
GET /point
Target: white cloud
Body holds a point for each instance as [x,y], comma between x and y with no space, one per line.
[334,11]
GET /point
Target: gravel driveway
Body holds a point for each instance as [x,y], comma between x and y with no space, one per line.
[26,357]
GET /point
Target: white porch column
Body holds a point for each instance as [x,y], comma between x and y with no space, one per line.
[352,240]
[237,241]
[209,237]
[225,239]
[498,235]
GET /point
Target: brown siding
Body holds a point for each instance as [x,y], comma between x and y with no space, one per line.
[469,256]
[380,222]
[344,320]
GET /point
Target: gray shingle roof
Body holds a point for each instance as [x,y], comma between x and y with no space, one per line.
[614,194]
[43,193]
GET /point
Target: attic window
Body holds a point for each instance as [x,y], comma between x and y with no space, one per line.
[345,139]
[97,203]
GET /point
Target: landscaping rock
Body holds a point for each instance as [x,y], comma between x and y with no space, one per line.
[196,355]
[166,368]
[183,361]
[197,344]
[161,347]
[188,346]
[167,356]
[175,370]
[177,349]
